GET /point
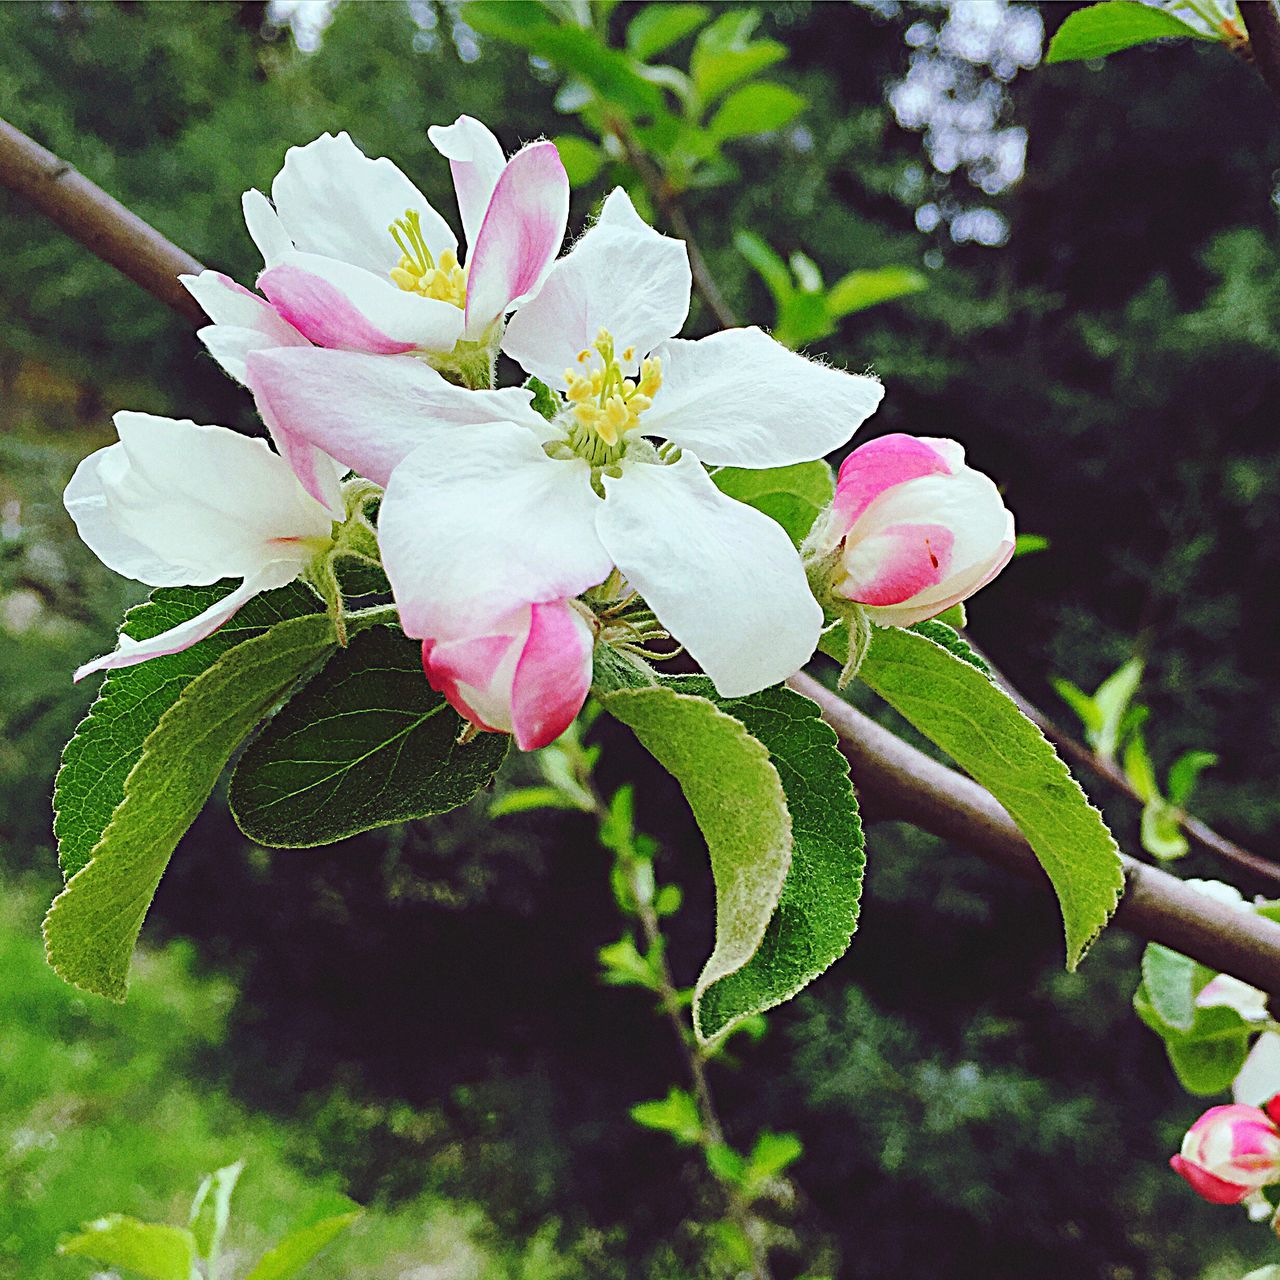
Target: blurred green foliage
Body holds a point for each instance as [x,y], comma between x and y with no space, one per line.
[419,1011]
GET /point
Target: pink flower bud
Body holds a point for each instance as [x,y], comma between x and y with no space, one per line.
[915,530]
[527,675]
[1230,1152]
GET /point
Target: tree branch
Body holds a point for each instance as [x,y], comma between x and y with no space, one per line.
[903,780]
[1263,25]
[102,224]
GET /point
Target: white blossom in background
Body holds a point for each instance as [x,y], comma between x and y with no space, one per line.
[484,512]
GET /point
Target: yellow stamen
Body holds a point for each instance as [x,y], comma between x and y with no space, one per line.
[605,402]
[418,272]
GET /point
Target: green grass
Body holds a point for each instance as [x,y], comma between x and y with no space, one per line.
[105,1108]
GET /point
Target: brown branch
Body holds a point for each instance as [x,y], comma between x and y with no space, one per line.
[905,781]
[1263,25]
[102,224]
[901,782]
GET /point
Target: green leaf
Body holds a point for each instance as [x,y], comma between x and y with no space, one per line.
[149,1250]
[773,1154]
[726,1164]
[725,54]
[676,1114]
[1026,544]
[1185,773]
[108,741]
[738,800]
[1112,700]
[545,401]
[658,26]
[527,25]
[755,108]
[303,782]
[1111,26]
[975,722]
[211,1210]
[292,1254]
[950,639]
[793,496]
[768,264]
[862,289]
[1161,831]
[582,162]
[528,799]
[1169,979]
[624,966]
[93,924]
[1139,769]
[817,911]
[1080,702]
[1206,1067]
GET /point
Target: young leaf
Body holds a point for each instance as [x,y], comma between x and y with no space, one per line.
[396,757]
[582,162]
[93,924]
[291,1255]
[768,265]
[148,1249]
[1112,699]
[676,1114]
[792,495]
[976,723]
[1169,979]
[1185,773]
[211,1211]
[772,1155]
[658,26]
[1101,29]
[862,289]
[738,800]
[817,911]
[1161,831]
[724,53]
[108,741]
[755,108]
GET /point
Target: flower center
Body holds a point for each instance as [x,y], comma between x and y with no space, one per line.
[604,404]
[418,272]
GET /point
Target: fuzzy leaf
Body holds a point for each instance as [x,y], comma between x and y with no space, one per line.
[368,742]
[108,741]
[1105,28]
[147,1249]
[792,496]
[93,924]
[957,707]
[817,911]
[737,797]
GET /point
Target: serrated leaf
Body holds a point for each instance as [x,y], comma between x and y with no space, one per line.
[950,639]
[676,1114]
[736,796]
[1169,978]
[93,924]
[368,742]
[658,26]
[1102,29]
[817,911]
[792,496]
[108,741]
[862,289]
[978,726]
[292,1254]
[148,1249]
[755,108]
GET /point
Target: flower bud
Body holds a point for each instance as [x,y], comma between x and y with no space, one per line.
[911,530]
[1230,1152]
[527,675]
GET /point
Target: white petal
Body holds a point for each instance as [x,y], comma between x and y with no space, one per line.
[333,200]
[371,412]
[1259,1078]
[629,280]
[338,305]
[185,634]
[264,227]
[207,499]
[723,578]
[740,399]
[472,527]
[476,162]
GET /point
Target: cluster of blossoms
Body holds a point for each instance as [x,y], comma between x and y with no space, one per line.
[513,538]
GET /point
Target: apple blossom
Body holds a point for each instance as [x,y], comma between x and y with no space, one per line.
[528,675]
[176,504]
[515,507]
[356,257]
[911,530]
[1231,1152]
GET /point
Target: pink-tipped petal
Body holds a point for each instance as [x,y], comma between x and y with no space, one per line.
[553,676]
[1205,1185]
[476,162]
[880,464]
[185,634]
[897,563]
[337,305]
[521,234]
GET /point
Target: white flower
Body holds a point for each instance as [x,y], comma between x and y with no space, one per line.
[176,504]
[515,508]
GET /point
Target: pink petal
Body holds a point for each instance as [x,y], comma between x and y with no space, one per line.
[521,234]
[896,563]
[476,163]
[1214,1190]
[881,464]
[553,676]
